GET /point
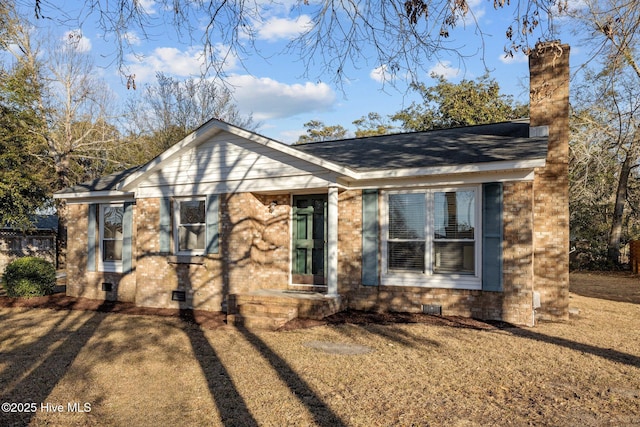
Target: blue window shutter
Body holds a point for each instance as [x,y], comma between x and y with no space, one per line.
[127,234]
[492,237]
[213,202]
[91,237]
[165,225]
[370,237]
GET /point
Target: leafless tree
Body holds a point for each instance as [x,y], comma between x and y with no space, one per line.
[611,29]
[72,104]
[404,34]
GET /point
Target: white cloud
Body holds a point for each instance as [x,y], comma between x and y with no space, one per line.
[168,60]
[148,6]
[444,69]
[291,136]
[175,62]
[269,99]
[76,40]
[283,28]
[477,11]
[381,74]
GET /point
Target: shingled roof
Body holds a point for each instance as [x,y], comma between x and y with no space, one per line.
[471,145]
[105,183]
[508,141]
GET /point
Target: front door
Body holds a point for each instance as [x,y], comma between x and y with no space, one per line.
[309,237]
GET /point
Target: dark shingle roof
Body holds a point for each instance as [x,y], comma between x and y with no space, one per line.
[507,141]
[40,222]
[105,183]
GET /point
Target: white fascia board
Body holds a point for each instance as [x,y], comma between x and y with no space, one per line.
[443,180]
[214,127]
[207,130]
[453,170]
[286,149]
[95,197]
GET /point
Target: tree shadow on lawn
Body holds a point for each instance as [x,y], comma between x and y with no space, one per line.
[322,414]
[231,405]
[63,343]
[620,286]
[605,353]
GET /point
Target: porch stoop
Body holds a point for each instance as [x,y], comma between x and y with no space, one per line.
[270,309]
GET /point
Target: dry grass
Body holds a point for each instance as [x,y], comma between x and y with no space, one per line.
[150,370]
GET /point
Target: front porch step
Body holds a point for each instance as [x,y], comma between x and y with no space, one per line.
[271,309]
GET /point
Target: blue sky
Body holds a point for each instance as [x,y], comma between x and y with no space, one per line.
[275,90]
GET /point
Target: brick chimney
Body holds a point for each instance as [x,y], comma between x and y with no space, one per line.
[549,106]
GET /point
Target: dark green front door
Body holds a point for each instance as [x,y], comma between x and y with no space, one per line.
[309,237]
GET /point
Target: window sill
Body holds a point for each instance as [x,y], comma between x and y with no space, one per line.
[440,281]
[110,268]
[186,259]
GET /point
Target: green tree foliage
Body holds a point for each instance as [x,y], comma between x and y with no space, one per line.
[317,131]
[23,177]
[372,124]
[29,277]
[447,105]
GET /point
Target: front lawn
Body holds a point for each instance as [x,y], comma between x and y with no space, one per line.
[123,369]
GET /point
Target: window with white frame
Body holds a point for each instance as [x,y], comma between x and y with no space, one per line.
[190,228]
[432,233]
[111,236]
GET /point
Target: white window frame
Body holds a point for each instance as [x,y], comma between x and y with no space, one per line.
[428,278]
[107,266]
[177,224]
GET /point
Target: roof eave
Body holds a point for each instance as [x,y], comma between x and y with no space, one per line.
[214,127]
[453,170]
[78,197]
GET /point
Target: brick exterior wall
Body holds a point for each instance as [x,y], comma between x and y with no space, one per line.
[254,240]
[88,284]
[513,304]
[349,240]
[549,106]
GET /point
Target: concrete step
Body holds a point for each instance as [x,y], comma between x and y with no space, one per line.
[271,309]
[267,309]
[257,322]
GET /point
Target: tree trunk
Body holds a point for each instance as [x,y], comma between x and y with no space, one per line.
[615,234]
[61,240]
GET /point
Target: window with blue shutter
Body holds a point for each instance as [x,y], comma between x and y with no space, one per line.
[370,237]
[492,237]
[127,238]
[212,215]
[195,225]
[165,225]
[91,238]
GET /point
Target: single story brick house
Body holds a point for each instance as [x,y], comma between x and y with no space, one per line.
[469,221]
[39,241]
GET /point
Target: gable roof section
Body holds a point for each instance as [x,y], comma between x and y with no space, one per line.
[212,128]
[493,147]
